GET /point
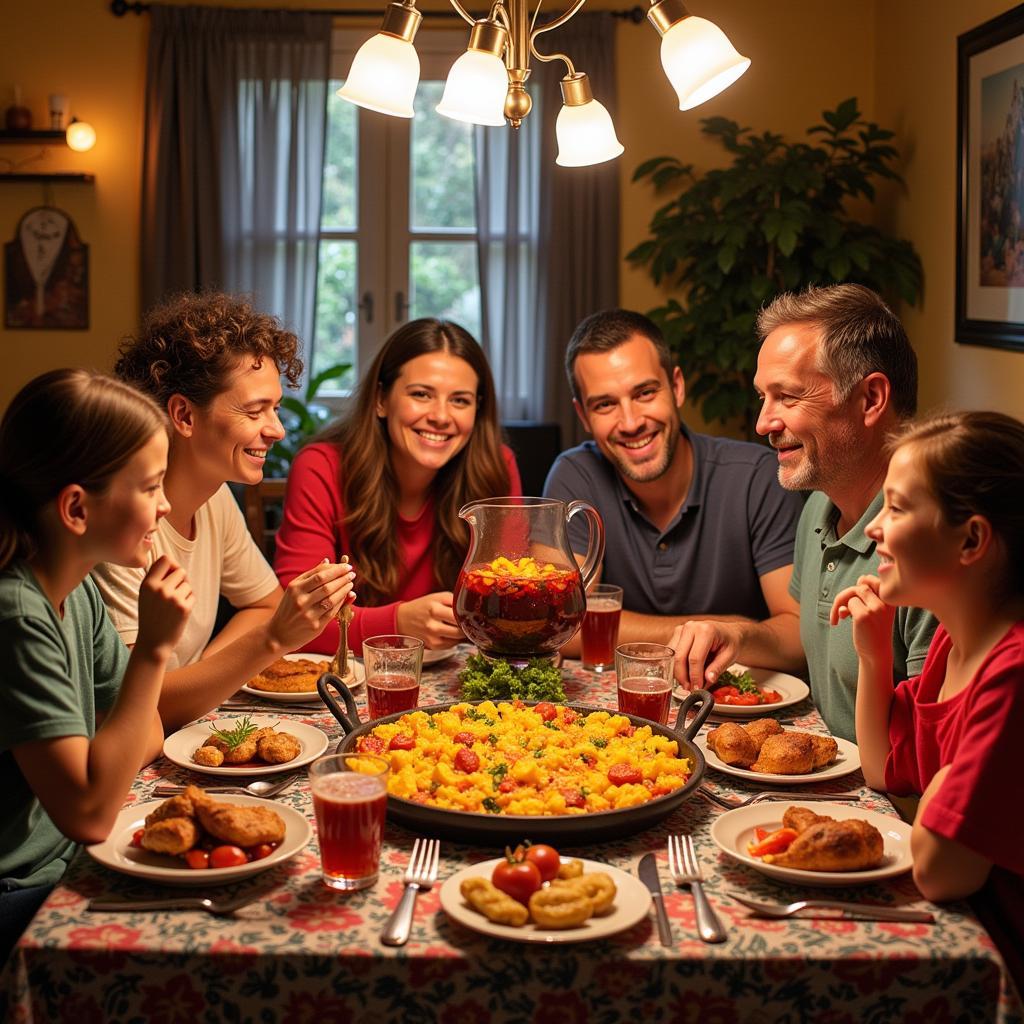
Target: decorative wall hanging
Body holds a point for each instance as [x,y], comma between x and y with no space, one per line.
[46,279]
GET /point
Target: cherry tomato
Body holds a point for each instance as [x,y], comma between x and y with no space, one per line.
[370,745]
[776,842]
[519,879]
[227,857]
[771,696]
[402,741]
[573,798]
[546,858]
[464,737]
[467,760]
[197,859]
[507,785]
[568,716]
[262,850]
[623,774]
[546,710]
[137,837]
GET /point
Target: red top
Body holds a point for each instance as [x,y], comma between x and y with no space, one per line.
[979,732]
[313,529]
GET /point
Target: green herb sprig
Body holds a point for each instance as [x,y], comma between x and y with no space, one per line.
[498,680]
[236,736]
[743,681]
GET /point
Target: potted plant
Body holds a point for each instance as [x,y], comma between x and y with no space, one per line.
[777,218]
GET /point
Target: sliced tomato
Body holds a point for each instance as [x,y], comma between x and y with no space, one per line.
[723,694]
[197,859]
[776,842]
[464,737]
[761,834]
[573,798]
[371,744]
[569,716]
[771,696]
[742,700]
[467,760]
[402,741]
[507,785]
[624,774]
[546,710]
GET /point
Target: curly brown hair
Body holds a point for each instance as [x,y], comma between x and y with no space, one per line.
[190,344]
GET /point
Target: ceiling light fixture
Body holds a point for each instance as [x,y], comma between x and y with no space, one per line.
[487,84]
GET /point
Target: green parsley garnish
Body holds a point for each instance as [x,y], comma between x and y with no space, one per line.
[498,772]
[235,737]
[743,681]
[600,742]
[491,805]
[498,680]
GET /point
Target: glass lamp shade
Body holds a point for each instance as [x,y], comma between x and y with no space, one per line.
[80,136]
[585,135]
[475,89]
[384,76]
[699,60]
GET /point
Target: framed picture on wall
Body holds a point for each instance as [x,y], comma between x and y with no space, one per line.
[990,183]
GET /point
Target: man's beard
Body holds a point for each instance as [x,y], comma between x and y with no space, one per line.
[646,472]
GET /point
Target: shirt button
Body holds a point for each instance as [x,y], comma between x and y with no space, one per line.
[831,566]
[824,591]
[663,546]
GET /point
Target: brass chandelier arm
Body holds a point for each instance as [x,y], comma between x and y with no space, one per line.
[462,12]
[551,25]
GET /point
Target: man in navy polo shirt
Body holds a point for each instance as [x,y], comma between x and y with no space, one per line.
[697,527]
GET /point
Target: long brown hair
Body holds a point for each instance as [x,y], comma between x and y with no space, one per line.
[974,464]
[65,426]
[368,484]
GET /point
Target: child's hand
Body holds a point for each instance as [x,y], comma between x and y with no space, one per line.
[310,601]
[872,618]
[165,601]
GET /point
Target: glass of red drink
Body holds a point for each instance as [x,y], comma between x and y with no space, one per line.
[393,668]
[350,798]
[600,631]
[643,675]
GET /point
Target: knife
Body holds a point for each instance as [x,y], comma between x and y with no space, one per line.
[648,871]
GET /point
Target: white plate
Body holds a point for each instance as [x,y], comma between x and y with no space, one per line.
[734,829]
[791,689]
[117,853]
[433,657]
[632,902]
[847,761]
[304,696]
[180,746]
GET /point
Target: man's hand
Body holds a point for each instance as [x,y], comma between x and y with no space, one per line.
[165,602]
[704,649]
[431,619]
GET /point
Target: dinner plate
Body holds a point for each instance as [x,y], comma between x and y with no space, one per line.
[433,657]
[304,696]
[632,902]
[117,853]
[180,746]
[791,689]
[847,761]
[734,829]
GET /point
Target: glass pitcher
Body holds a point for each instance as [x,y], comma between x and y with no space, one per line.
[520,593]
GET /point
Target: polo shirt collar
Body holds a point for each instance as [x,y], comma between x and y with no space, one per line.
[855,537]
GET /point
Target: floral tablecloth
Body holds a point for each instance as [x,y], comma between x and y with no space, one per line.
[303,953]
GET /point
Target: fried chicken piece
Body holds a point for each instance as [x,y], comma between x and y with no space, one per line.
[760,729]
[245,751]
[290,676]
[825,750]
[850,845]
[278,747]
[732,744]
[179,806]
[209,756]
[170,835]
[240,824]
[799,819]
[483,896]
[788,753]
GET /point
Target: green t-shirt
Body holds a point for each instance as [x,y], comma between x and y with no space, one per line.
[823,565]
[55,674]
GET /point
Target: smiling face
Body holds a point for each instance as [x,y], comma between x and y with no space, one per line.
[430,411]
[918,549]
[122,520]
[813,434]
[231,436]
[631,407]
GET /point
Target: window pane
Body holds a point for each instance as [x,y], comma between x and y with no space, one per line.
[445,282]
[338,206]
[442,166]
[336,310]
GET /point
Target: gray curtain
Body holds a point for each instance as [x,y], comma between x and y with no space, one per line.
[233,155]
[549,252]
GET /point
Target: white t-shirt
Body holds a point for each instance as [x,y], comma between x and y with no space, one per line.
[221,559]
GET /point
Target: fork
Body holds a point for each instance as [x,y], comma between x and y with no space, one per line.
[220,907]
[261,787]
[682,863]
[420,876]
[771,794]
[863,911]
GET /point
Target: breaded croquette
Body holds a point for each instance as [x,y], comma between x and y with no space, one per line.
[278,747]
[245,751]
[483,896]
[209,756]
[240,824]
[170,835]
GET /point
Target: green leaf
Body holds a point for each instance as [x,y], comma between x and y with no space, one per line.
[726,258]
[328,373]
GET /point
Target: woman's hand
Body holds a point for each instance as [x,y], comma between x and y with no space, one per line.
[431,619]
[872,618]
[165,602]
[309,603]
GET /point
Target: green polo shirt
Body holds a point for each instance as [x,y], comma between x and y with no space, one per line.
[823,565]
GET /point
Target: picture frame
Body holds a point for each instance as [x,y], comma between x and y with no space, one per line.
[990,183]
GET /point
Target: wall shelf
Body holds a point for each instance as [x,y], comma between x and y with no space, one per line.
[55,177]
[38,138]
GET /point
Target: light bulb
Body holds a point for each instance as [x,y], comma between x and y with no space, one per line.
[583,128]
[384,76]
[475,89]
[80,135]
[699,60]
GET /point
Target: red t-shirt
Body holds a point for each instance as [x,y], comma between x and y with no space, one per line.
[313,529]
[979,732]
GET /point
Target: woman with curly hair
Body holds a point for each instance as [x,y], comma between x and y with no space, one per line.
[385,485]
[214,364]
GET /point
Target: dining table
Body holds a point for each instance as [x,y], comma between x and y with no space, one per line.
[301,952]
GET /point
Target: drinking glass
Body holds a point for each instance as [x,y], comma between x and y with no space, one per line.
[350,797]
[643,674]
[600,631]
[393,668]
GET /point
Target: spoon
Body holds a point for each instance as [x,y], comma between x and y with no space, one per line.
[260,787]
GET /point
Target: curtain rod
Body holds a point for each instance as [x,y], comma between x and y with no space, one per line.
[119,8]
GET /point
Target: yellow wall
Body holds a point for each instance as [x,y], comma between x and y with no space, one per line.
[897,56]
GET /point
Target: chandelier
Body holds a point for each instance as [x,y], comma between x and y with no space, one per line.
[487,84]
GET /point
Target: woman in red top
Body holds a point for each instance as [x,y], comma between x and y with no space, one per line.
[950,538]
[385,484]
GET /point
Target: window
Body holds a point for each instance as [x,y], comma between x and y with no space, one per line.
[398,233]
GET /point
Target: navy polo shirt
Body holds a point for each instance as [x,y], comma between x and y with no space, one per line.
[736,524]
